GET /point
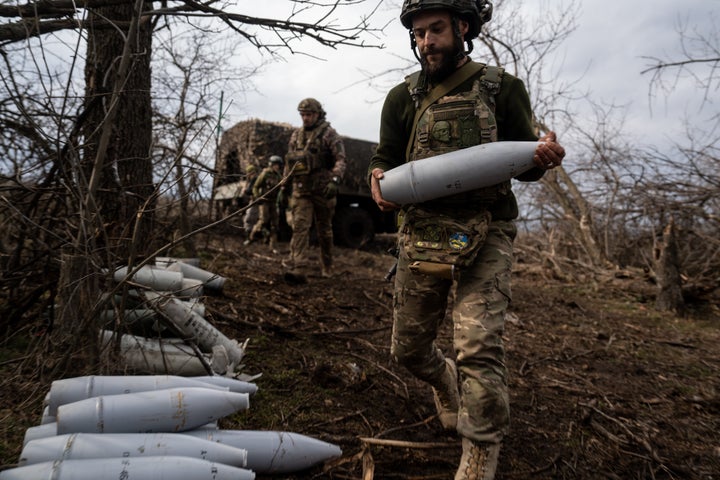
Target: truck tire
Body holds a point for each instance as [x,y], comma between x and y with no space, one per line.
[353,227]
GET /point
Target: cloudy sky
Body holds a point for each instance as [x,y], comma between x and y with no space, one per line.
[604,57]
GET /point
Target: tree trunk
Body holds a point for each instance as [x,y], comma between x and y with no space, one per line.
[669,295]
[125,184]
[578,211]
[114,178]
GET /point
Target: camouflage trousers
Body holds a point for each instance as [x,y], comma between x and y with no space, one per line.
[479,299]
[267,220]
[305,209]
[250,218]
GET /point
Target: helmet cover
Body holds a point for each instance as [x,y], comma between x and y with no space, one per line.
[310,105]
[475,12]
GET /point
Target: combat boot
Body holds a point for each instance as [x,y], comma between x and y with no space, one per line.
[294,274]
[447,396]
[252,236]
[479,460]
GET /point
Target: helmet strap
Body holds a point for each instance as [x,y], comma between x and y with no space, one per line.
[413,45]
[459,38]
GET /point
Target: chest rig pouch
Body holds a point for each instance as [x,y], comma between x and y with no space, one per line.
[269,180]
[438,243]
[443,236]
[455,122]
[307,155]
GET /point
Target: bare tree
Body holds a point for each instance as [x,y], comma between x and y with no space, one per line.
[685,189]
[78,166]
[698,60]
[186,122]
[560,205]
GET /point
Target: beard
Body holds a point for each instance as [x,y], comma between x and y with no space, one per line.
[437,72]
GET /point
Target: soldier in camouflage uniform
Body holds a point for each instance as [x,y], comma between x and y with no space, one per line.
[266,226]
[460,245]
[316,161]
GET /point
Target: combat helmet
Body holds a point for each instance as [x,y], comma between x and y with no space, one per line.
[311,105]
[276,159]
[475,12]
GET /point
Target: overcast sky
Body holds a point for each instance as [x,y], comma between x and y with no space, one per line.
[605,53]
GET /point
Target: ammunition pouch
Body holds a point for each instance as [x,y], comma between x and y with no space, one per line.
[440,243]
[308,160]
[298,161]
[441,270]
[314,183]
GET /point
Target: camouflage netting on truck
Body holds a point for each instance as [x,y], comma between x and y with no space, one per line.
[251,142]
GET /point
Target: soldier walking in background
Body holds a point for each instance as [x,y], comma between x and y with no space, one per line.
[266,227]
[316,161]
[460,245]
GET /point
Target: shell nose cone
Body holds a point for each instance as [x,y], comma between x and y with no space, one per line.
[313,451]
[291,452]
[239,401]
[274,451]
[237,386]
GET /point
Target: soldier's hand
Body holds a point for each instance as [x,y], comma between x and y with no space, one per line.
[331,190]
[549,154]
[383,204]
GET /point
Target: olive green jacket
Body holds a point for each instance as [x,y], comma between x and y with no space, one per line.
[514,120]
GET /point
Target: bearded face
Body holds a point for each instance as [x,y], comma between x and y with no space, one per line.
[439,62]
[438,38]
[309,118]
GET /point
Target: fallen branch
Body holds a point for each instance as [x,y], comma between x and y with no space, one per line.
[406,444]
[377,302]
[641,441]
[406,427]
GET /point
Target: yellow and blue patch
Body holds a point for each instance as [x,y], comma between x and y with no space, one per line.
[458,241]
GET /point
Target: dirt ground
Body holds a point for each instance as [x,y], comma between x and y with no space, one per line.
[602,386]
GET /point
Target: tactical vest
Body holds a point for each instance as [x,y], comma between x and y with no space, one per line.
[267,180]
[459,121]
[441,237]
[307,153]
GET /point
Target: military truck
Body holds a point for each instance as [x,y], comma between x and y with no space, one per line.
[252,142]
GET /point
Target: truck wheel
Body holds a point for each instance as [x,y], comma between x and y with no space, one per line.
[353,227]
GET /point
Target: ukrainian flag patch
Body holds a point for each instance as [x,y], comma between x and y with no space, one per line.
[458,240]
